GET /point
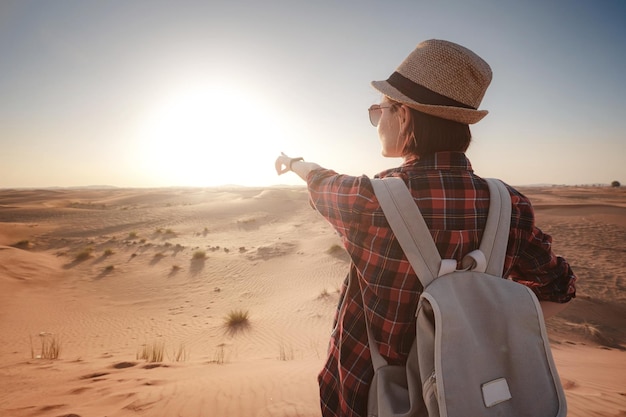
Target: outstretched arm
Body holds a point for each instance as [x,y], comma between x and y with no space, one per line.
[298,165]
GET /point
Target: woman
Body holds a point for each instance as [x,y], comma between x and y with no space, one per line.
[423,117]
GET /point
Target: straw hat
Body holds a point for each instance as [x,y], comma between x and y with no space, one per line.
[442,79]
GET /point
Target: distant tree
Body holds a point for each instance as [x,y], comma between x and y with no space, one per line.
[616,184]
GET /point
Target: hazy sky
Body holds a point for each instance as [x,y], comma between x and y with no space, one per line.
[154,93]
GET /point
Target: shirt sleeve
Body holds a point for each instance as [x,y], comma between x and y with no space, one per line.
[340,199]
[533,262]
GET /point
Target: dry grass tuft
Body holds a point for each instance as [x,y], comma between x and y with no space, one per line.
[50,347]
[155,352]
[285,353]
[152,352]
[324,294]
[180,354]
[108,252]
[596,334]
[220,354]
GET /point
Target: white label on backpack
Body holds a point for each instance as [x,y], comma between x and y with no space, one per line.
[495,392]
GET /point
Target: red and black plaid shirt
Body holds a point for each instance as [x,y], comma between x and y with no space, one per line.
[454,203]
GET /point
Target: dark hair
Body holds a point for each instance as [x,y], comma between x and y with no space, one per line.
[433,134]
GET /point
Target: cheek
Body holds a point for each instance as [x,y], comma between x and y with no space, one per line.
[387,127]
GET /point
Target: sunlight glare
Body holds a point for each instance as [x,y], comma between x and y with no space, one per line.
[210,136]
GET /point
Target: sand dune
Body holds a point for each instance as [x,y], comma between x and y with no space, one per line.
[109,272]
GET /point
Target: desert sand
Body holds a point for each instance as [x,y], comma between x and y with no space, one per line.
[109,273]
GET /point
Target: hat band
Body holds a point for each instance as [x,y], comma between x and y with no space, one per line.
[421,94]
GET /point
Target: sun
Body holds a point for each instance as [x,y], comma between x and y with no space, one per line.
[209,135]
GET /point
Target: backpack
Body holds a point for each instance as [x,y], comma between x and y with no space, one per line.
[481,347]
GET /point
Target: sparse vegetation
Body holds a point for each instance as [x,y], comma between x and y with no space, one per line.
[133,235]
[199,255]
[616,184]
[335,250]
[324,294]
[50,347]
[109,268]
[285,354]
[247,220]
[237,319]
[155,352]
[84,254]
[220,354]
[180,354]
[108,252]
[152,352]
[22,244]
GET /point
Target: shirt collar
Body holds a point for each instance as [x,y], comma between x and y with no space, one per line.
[440,161]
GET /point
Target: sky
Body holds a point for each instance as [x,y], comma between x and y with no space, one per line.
[206,93]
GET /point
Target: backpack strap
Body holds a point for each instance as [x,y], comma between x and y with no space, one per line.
[496,235]
[412,233]
[409,227]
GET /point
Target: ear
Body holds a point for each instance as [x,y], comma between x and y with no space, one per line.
[404,115]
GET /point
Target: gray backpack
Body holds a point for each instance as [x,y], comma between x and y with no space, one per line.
[481,347]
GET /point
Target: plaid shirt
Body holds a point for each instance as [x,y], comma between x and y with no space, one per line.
[454,203]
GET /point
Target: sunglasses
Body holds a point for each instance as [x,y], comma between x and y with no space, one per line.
[376,112]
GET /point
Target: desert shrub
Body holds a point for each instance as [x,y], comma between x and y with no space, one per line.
[109,268]
[132,235]
[237,319]
[22,244]
[616,184]
[108,252]
[199,254]
[84,254]
[335,248]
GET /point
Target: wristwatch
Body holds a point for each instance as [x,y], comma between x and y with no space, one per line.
[292,160]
